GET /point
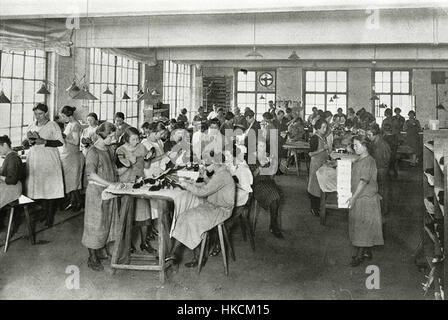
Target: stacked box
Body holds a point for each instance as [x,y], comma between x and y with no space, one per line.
[343,181]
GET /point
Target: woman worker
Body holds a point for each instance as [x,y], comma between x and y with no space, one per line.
[72,158]
[135,152]
[44,180]
[412,128]
[364,220]
[319,151]
[219,192]
[11,173]
[88,136]
[101,216]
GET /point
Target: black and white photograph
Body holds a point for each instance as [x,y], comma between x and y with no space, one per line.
[188,150]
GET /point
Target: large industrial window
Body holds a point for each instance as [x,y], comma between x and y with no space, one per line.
[393,88]
[119,74]
[21,76]
[326,90]
[254,90]
[177,87]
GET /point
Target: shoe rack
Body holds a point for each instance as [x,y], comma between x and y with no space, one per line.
[435,184]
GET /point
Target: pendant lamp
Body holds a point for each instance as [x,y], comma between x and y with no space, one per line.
[4,98]
[125,96]
[293,56]
[43,89]
[107,91]
[84,94]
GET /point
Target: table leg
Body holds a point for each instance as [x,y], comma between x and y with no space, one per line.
[124,232]
[322,211]
[161,228]
[296,159]
[29,225]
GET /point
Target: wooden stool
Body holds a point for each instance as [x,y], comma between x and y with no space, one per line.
[22,202]
[243,214]
[223,240]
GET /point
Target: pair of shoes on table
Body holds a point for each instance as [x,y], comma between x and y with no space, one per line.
[356,261]
[276,232]
[95,265]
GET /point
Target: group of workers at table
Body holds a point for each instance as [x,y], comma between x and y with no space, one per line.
[64,158]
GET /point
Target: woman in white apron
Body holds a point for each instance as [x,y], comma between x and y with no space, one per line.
[319,151]
[88,135]
[44,180]
[11,173]
[72,158]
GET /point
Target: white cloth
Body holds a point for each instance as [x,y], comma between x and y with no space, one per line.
[89,132]
[183,200]
[244,185]
[196,142]
[212,115]
[44,179]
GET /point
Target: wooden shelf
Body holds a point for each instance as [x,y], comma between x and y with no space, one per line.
[432,185]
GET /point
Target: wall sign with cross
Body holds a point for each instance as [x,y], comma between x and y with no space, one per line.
[265,79]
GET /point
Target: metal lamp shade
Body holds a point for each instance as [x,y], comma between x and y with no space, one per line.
[293,56]
[43,89]
[84,94]
[73,87]
[254,54]
[4,98]
[107,91]
[125,96]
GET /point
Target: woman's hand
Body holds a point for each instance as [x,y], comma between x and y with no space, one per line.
[351,202]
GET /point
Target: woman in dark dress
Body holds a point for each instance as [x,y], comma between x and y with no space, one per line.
[101,216]
[364,220]
[11,173]
[319,151]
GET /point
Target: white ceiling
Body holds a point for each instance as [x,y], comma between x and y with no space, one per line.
[96,8]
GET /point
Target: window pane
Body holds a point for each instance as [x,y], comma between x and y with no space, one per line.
[6,70]
[17,90]
[16,115]
[40,69]
[4,119]
[29,67]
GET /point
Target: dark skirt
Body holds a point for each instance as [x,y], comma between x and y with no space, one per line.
[265,191]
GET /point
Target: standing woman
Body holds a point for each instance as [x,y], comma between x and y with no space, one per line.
[319,151]
[101,216]
[11,173]
[364,220]
[88,136]
[135,152]
[44,180]
[412,128]
[72,158]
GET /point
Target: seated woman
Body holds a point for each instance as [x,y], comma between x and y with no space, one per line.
[268,195]
[12,172]
[131,164]
[101,216]
[364,219]
[219,192]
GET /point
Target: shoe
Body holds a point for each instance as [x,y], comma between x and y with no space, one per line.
[95,265]
[171,258]
[216,250]
[367,256]
[276,232]
[192,264]
[102,256]
[356,261]
[148,248]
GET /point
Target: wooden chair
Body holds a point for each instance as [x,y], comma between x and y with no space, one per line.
[224,241]
[22,202]
[243,214]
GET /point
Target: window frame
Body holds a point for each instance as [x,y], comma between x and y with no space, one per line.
[391,94]
[37,54]
[97,105]
[325,92]
[256,92]
[176,86]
